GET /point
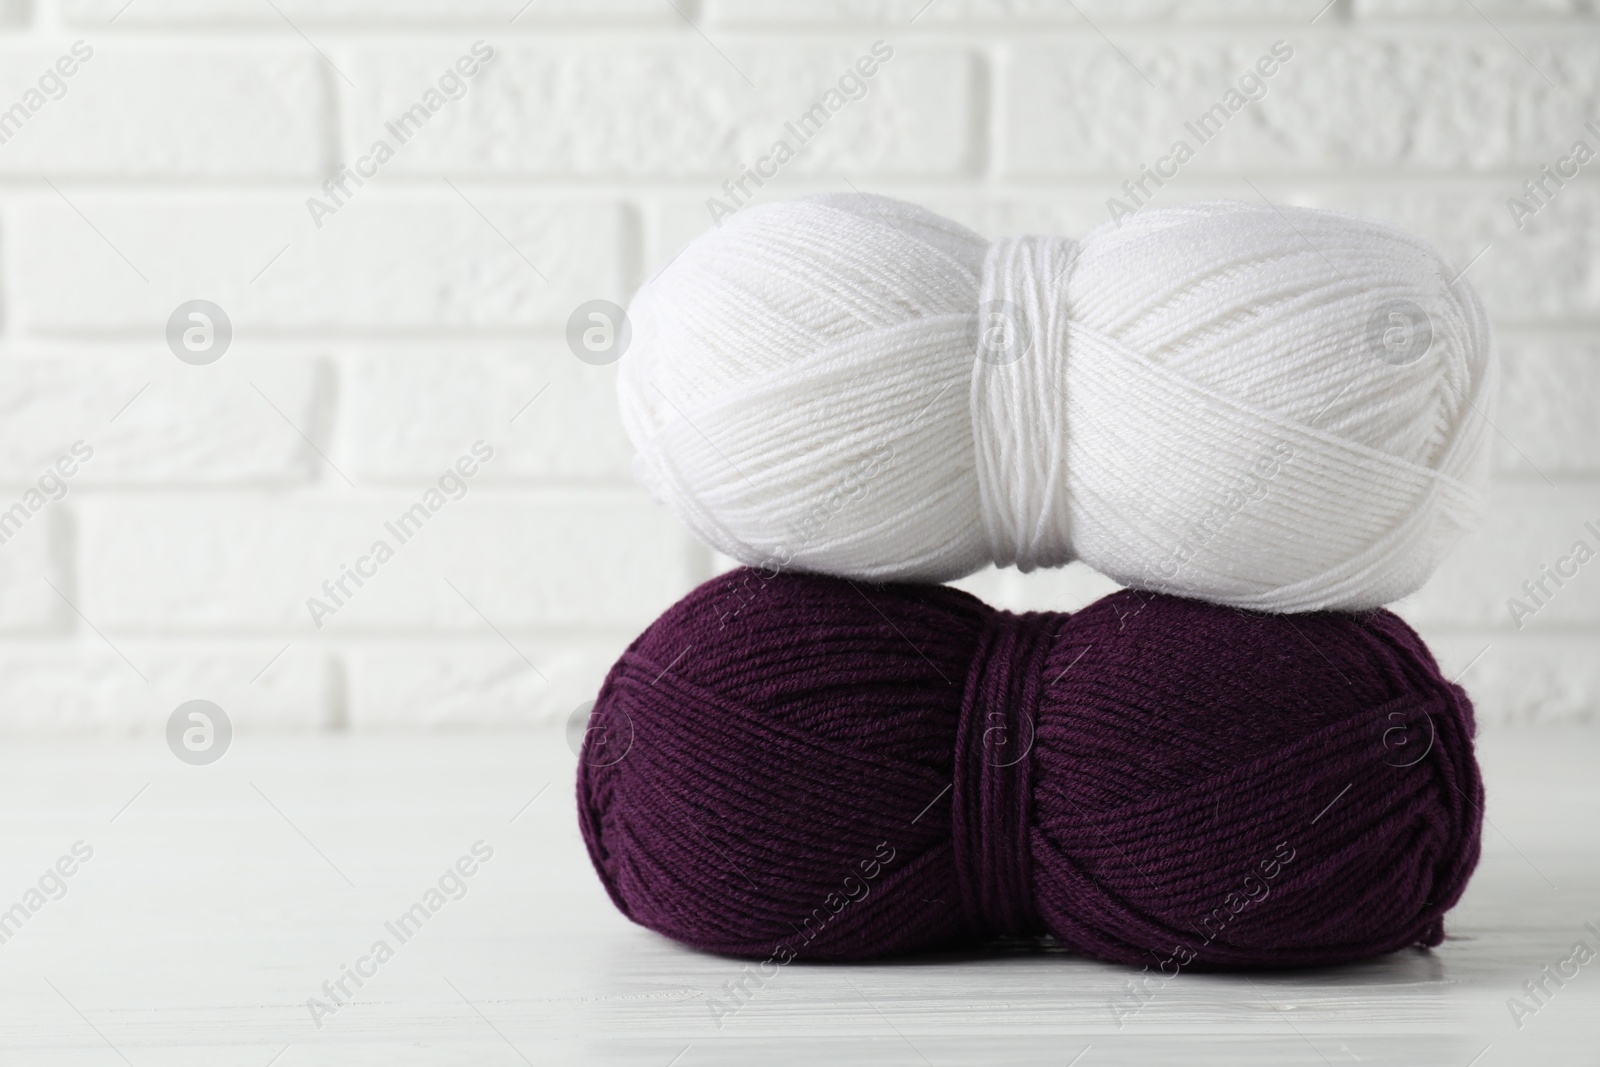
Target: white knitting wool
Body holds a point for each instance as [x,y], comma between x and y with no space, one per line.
[1276,408]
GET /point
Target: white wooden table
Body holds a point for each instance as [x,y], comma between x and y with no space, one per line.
[223,897]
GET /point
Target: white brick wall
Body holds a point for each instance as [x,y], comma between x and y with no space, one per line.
[428,310]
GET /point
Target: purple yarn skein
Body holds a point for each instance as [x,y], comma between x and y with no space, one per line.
[801,767]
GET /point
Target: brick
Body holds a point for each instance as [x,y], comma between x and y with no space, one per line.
[900,13]
[199,112]
[1529,525]
[1379,9]
[85,687]
[474,686]
[156,420]
[1524,679]
[411,413]
[679,110]
[32,558]
[1073,213]
[1472,104]
[239,564]
[498,14]
[1546,412]
[384,263]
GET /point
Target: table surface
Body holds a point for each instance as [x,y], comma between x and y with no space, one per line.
[219,899]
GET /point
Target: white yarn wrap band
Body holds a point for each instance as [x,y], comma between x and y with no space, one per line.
[1018,399]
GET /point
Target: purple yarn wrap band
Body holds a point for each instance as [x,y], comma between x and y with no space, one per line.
[992,792]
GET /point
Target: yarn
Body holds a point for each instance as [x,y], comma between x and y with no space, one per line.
[1280,409]
[806,767]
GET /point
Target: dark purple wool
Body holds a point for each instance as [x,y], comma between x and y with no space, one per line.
[804,767]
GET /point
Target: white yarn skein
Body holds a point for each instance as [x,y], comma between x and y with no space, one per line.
[1194,402]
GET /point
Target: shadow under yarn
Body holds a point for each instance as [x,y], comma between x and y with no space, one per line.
[800,767]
